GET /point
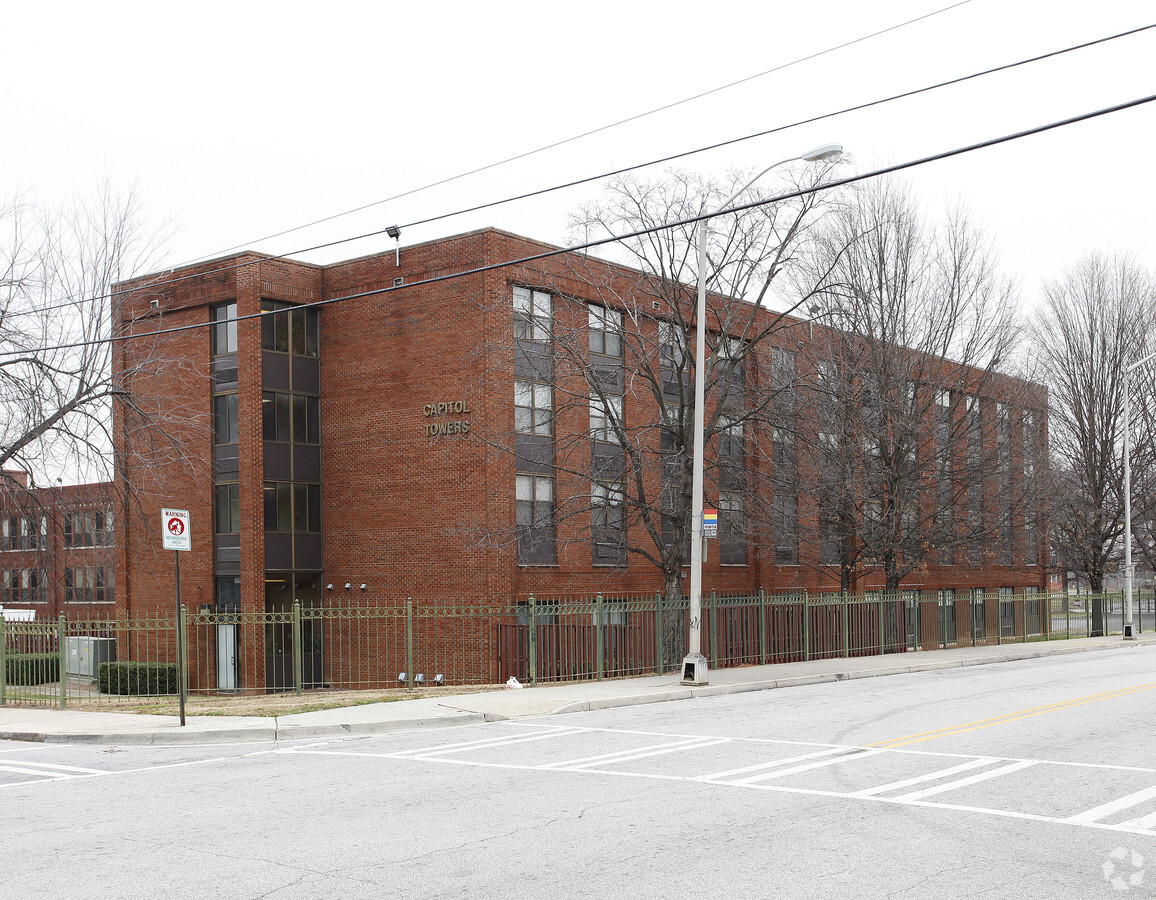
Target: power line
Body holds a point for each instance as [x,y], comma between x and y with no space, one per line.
[559,251]
[590,133]
[592,178]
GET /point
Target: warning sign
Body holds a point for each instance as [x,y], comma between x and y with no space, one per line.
[175,533]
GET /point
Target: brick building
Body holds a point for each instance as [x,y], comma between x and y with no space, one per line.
[396,426]
[56,548]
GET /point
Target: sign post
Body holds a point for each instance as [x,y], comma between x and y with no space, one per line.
[176,536]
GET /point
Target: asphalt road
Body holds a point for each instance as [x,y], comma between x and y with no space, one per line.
[1033,779]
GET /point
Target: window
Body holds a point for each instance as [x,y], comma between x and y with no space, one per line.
[290,329]
[786,521]
[22,586]
[226,508]
[533,315]
[605,418]
[292,507]
[533,408]
[534,518]
[306,419]
[978,626]
[88,584]
[730,438]
[608,517]
[88,528]
[605,331]
[947,615]
[276,418]
[225,419]
[672,345]
[285,416]
[224,329]
[784,457]
[732,529]
[1007,612]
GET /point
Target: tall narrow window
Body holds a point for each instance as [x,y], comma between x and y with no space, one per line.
[786,521]
[534,517]
[605,331]
[224,329]
[605,418]
[533,408]
[533,315]
[227,508]
[732,529]
[608,517]
[225,419]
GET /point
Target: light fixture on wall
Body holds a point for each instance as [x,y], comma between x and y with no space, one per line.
[363,587]
[329,587]
[348,585]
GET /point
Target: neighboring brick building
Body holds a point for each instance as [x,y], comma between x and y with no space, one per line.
[56,548]
[394,444]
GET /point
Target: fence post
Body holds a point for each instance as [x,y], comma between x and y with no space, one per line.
[599,639]
[533,641]
[846,626]
[713,630]
[883,623]
[659,649]
[939,605]
[62,653]
[298,673]
[3,666]
[762,627]
[409,645]
[806,626]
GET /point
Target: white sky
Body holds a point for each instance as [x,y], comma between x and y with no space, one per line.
[237,120]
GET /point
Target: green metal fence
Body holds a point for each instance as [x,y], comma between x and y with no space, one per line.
[379,644]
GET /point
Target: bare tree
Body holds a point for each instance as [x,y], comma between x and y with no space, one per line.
[1094,321]
[60,314]
[899,439]
[57,385]
[604,392]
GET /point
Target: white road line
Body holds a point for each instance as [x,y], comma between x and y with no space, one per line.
[964,782]
[715,776]
[608,759]
[1144,823]
[806,767]
[1102,812]
[922,779]
[487,744]
[48,770]
[55,776]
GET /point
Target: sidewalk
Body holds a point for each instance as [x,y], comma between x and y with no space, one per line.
[75,727]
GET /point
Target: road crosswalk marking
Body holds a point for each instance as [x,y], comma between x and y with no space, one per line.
[777,774]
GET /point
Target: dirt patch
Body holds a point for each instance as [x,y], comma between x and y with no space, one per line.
[265,704]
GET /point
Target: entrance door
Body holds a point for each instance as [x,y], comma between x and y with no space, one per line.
[226,657]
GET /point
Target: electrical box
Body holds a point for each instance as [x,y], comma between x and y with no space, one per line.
[85,654]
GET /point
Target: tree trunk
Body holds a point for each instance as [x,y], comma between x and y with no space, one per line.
[673,621]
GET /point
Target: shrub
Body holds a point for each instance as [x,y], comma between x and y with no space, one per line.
[31,668]
[137,679]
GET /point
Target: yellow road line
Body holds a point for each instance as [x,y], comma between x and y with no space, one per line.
[922,736]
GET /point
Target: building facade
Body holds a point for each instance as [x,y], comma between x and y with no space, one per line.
[407,425]
[57,549]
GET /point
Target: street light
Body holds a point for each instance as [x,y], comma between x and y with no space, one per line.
[694,665]
[1128,635]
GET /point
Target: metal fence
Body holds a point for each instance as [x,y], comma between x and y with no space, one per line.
[380,644]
